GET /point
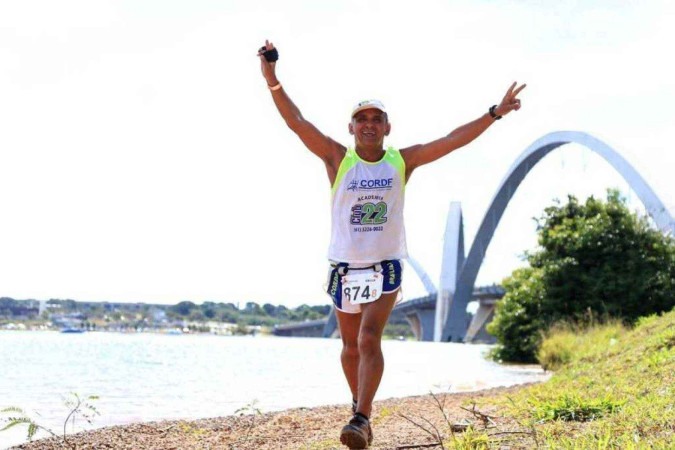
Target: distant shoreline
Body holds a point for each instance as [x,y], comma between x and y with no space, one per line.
[171,332]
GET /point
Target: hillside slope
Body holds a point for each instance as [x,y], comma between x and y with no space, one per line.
[617,391]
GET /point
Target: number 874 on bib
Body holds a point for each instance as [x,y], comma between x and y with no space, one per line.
[362,287]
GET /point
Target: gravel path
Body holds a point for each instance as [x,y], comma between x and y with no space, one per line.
[304,428]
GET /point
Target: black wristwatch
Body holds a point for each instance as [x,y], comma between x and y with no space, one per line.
[493,114]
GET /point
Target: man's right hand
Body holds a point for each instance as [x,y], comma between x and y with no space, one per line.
[266,67]
[321,145]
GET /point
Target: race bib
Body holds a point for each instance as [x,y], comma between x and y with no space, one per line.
[362,287]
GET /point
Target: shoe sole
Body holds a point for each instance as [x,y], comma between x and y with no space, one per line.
[353,439]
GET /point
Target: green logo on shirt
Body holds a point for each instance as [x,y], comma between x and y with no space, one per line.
[369,214]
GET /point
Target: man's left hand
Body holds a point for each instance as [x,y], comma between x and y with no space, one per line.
[510,101]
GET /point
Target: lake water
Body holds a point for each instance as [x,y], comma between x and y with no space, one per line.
[147,377]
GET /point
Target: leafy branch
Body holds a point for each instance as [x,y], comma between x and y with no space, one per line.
[77,407]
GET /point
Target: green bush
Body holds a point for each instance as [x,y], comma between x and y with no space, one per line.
[517,322]
[556,351]
[596,257]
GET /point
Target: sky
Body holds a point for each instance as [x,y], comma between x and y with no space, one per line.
[142,158]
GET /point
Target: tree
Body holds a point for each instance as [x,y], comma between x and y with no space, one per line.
[196,315]
[209,310]
[282,312]
[270,309]
[228,316]
[183,308]
[322,310]
[253,308]
[596,257]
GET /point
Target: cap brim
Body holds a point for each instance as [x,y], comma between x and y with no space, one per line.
[363,108]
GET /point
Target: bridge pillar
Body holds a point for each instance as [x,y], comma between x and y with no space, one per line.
[447,308]
[422,324]
[476,331]
[415,325]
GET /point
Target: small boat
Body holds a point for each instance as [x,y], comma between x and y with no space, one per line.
[72,330]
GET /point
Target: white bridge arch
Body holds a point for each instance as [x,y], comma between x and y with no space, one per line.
[458,274]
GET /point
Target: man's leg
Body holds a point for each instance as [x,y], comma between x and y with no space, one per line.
[349,332]
[371,362]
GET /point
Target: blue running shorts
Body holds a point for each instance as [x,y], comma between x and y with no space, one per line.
[391,270]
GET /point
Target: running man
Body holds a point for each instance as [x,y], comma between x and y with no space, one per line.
[368,237]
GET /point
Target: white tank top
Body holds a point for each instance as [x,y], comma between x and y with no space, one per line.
[367,209]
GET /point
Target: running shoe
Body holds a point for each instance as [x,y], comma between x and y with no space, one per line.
[357,434]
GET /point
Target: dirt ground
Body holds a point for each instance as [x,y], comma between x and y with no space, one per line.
[312,428]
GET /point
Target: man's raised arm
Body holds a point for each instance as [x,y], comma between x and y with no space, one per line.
[321,145]
[419,155]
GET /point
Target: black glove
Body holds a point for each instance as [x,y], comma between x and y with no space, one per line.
[270,55]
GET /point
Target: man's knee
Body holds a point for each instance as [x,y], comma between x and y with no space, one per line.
[350,348]
[369,340]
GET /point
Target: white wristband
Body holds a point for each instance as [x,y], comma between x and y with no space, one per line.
[275,87]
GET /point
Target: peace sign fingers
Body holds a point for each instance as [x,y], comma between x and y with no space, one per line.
[511,93]
[517,91]
[510,101]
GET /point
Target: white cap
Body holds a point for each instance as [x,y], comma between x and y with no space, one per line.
[368,104]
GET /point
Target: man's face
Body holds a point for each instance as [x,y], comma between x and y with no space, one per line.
[369,127]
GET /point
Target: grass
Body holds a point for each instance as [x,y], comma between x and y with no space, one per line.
[614,388]
[469,440]
[573,408]
[565,340]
